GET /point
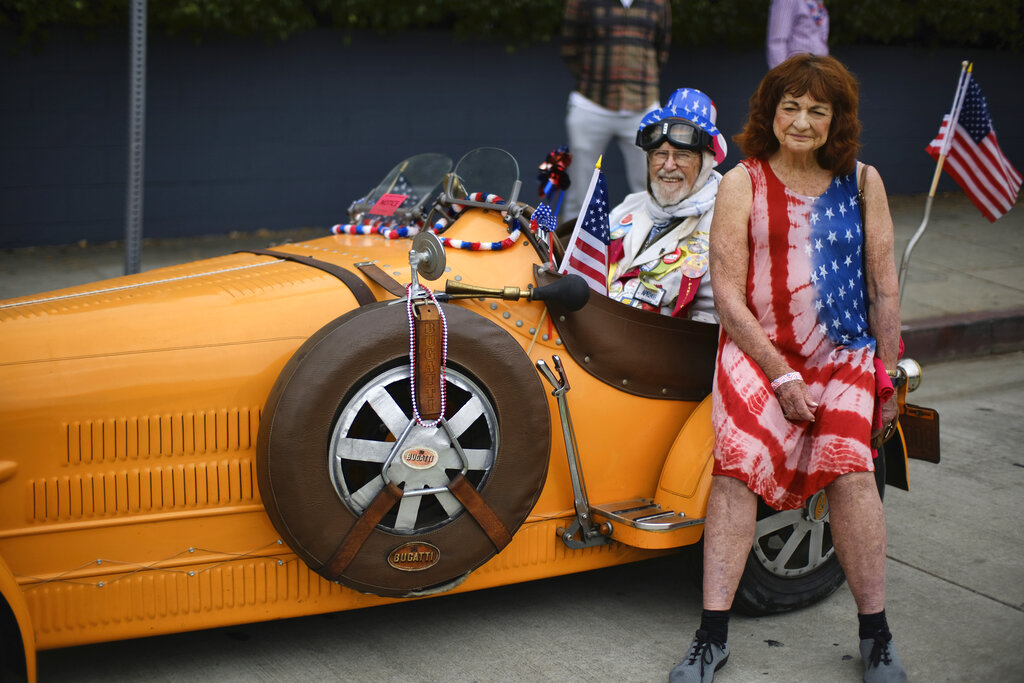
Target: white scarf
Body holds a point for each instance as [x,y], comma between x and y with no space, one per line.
[696,204]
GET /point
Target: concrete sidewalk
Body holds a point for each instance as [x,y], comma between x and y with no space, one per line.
[964,290]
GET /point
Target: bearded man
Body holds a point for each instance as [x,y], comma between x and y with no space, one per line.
[659,238]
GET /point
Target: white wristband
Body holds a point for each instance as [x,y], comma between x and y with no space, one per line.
[788,377]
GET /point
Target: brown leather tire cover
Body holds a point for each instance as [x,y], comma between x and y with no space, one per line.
[295,432]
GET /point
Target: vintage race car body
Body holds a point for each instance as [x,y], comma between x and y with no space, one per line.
[186,448]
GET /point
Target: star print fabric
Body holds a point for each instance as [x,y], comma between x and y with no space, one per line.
[837,258]
[805,286]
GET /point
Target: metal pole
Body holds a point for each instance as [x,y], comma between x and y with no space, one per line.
[954,116]
[136,139]
[905,263]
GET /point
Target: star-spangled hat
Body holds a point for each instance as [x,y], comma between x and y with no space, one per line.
[695,107]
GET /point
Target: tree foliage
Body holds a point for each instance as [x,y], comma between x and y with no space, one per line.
[737,23]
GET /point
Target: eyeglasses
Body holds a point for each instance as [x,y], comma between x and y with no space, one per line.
[677,132]
[681,157]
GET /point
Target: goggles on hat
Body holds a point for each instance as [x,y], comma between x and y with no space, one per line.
[678,132]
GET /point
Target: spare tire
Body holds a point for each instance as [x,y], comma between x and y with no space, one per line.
[335,414]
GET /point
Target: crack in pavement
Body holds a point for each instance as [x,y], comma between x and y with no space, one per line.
[1017,608]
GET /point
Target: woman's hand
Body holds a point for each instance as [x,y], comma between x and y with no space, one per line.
[796,405]
[889,410]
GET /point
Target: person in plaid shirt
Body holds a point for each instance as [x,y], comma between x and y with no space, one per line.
[615,50]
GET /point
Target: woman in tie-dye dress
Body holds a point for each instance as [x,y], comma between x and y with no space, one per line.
[807,294]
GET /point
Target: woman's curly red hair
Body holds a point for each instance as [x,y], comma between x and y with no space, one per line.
[825,79]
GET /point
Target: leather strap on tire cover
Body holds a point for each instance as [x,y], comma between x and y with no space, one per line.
[481,511]
[360,531]
[429,354]
[359,289]
[374,272]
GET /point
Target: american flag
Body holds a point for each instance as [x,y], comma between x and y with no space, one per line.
[543,218]
[974,158]
[587,253]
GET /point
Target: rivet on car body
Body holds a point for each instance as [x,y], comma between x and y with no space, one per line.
[586,359]
[561,318]
[506,315]
[625,382]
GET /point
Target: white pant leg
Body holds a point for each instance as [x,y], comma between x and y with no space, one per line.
[589,133]
[635,158]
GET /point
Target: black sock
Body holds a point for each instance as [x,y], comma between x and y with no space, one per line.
[872,625]
[716,624]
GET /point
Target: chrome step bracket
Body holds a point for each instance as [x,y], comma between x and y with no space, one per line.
[582,533]
[643,514]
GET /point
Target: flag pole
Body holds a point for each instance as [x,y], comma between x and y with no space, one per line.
[586,254]
[583,210]
[954,115]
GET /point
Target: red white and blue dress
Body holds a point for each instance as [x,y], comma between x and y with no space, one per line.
[805,286]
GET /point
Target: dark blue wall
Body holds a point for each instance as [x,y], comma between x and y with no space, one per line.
[245,135]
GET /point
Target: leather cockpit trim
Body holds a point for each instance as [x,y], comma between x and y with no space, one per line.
[642,353]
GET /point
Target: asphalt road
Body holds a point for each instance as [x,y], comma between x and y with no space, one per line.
[956,598]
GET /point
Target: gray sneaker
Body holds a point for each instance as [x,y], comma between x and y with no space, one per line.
[881,663]
[701,662]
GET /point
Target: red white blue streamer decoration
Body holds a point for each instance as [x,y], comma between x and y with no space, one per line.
[474,246]
[393,232]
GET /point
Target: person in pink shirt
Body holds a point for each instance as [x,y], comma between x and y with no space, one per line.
[796,26]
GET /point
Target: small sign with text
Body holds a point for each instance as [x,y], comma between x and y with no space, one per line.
[387,204]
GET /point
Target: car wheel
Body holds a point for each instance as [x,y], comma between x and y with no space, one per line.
[342,405]
[793,562]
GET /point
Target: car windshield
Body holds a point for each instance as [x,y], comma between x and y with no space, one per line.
[407,190]
[485,170]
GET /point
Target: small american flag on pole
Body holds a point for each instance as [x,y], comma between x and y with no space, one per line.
[587,253]
[973,156]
